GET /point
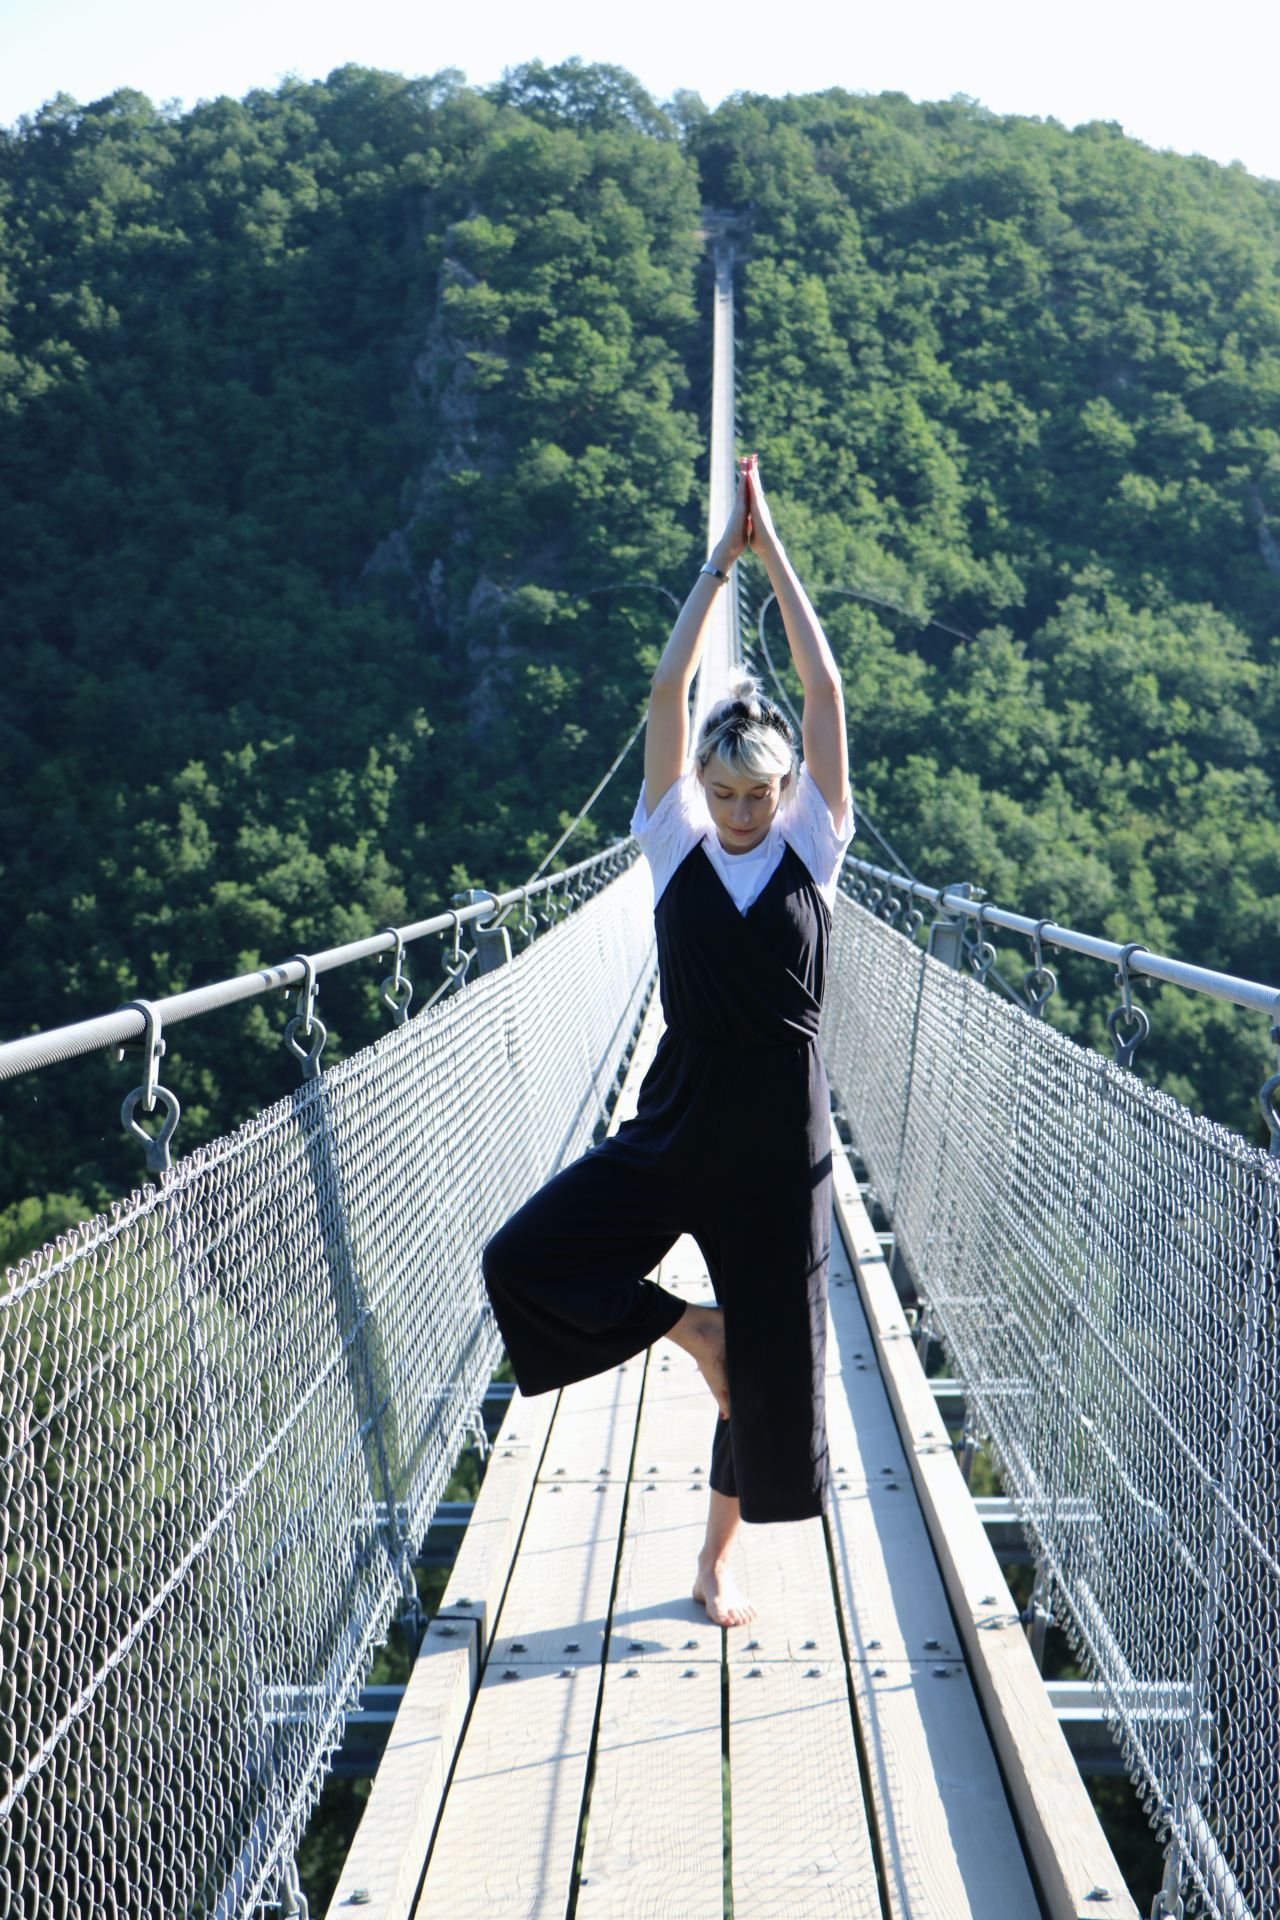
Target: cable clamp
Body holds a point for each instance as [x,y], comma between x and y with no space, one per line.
[306,1020]
[1039,982]
[1128,1013]
[397,988]
[150,1094]
[982,955]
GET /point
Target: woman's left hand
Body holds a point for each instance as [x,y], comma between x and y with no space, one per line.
[764,535]
[733,541]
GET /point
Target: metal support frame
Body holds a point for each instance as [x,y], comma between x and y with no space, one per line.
[948,932]
[1039,1614]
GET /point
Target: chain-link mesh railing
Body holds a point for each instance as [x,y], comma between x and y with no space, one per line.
[1103,1267]
[227,1412]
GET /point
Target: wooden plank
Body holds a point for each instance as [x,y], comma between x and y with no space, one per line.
[384,1863]
[655,1617]
[801,1841]
[947,1840]
[505,1845]
[390,1844]
[785,1571]
[895,1604]
[557,1601]
[480,1572]
[655,1828]
[1068,1848]
[385,1860]
[595,1426]
[677,1419]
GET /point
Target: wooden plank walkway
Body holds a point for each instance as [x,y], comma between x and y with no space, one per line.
[621,1758]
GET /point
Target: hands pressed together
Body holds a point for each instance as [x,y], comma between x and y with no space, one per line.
[750,522]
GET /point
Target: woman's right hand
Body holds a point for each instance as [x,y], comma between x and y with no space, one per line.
[764,535]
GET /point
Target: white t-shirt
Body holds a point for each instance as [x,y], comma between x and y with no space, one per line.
[682,818]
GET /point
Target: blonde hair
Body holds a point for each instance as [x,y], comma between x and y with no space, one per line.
[751,735]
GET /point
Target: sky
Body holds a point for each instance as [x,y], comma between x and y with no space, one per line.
[1198,79]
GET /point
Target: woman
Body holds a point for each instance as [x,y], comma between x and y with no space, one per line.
[731,1137]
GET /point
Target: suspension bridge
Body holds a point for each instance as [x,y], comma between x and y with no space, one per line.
[230,1408]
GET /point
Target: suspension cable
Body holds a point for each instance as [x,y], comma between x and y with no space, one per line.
[590,802]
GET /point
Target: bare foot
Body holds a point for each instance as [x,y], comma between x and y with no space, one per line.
[716,1589]
[700,1331]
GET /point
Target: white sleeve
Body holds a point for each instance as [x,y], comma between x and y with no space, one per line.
[814,834]
[676,824]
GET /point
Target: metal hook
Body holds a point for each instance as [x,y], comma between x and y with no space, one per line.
[1039,982]
[155,1145]
[306,1020]
[153,1045]
[306,1004]
[150,1093]
[397,988]
[1122,974]
[457,960]
[1127,1011]
[455,964]
[982,957]
[1269,1100]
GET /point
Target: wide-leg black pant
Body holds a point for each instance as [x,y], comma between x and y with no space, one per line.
[566,1276]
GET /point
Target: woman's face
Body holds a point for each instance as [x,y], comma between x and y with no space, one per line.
[741,808]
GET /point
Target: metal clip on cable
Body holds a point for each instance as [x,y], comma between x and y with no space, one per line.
[1136,1017]
[1039,982]
[982,955]
[306,1021]
[397,988]
[150,1092]
[456,963]
[1269,1099]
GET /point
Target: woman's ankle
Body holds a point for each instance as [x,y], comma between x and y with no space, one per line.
[693,1325]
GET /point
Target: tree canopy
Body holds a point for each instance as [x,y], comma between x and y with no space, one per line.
[338,425]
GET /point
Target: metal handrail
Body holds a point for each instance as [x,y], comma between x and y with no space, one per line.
[1252,994]
[47,1049]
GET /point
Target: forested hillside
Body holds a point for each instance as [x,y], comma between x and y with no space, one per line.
[336,425]
[1027,381]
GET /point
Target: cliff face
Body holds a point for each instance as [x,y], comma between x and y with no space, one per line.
[458,613]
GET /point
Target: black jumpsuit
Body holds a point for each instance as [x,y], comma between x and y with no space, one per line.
[731,1143]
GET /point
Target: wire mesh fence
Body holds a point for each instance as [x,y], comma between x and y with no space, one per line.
[1103,1268]
[228,1410]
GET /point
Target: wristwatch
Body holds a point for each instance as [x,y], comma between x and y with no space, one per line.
[710,569]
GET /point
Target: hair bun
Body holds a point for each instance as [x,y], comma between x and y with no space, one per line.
[744,686]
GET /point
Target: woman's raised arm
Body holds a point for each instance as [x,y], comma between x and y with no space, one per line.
[826,751]
[666,738]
